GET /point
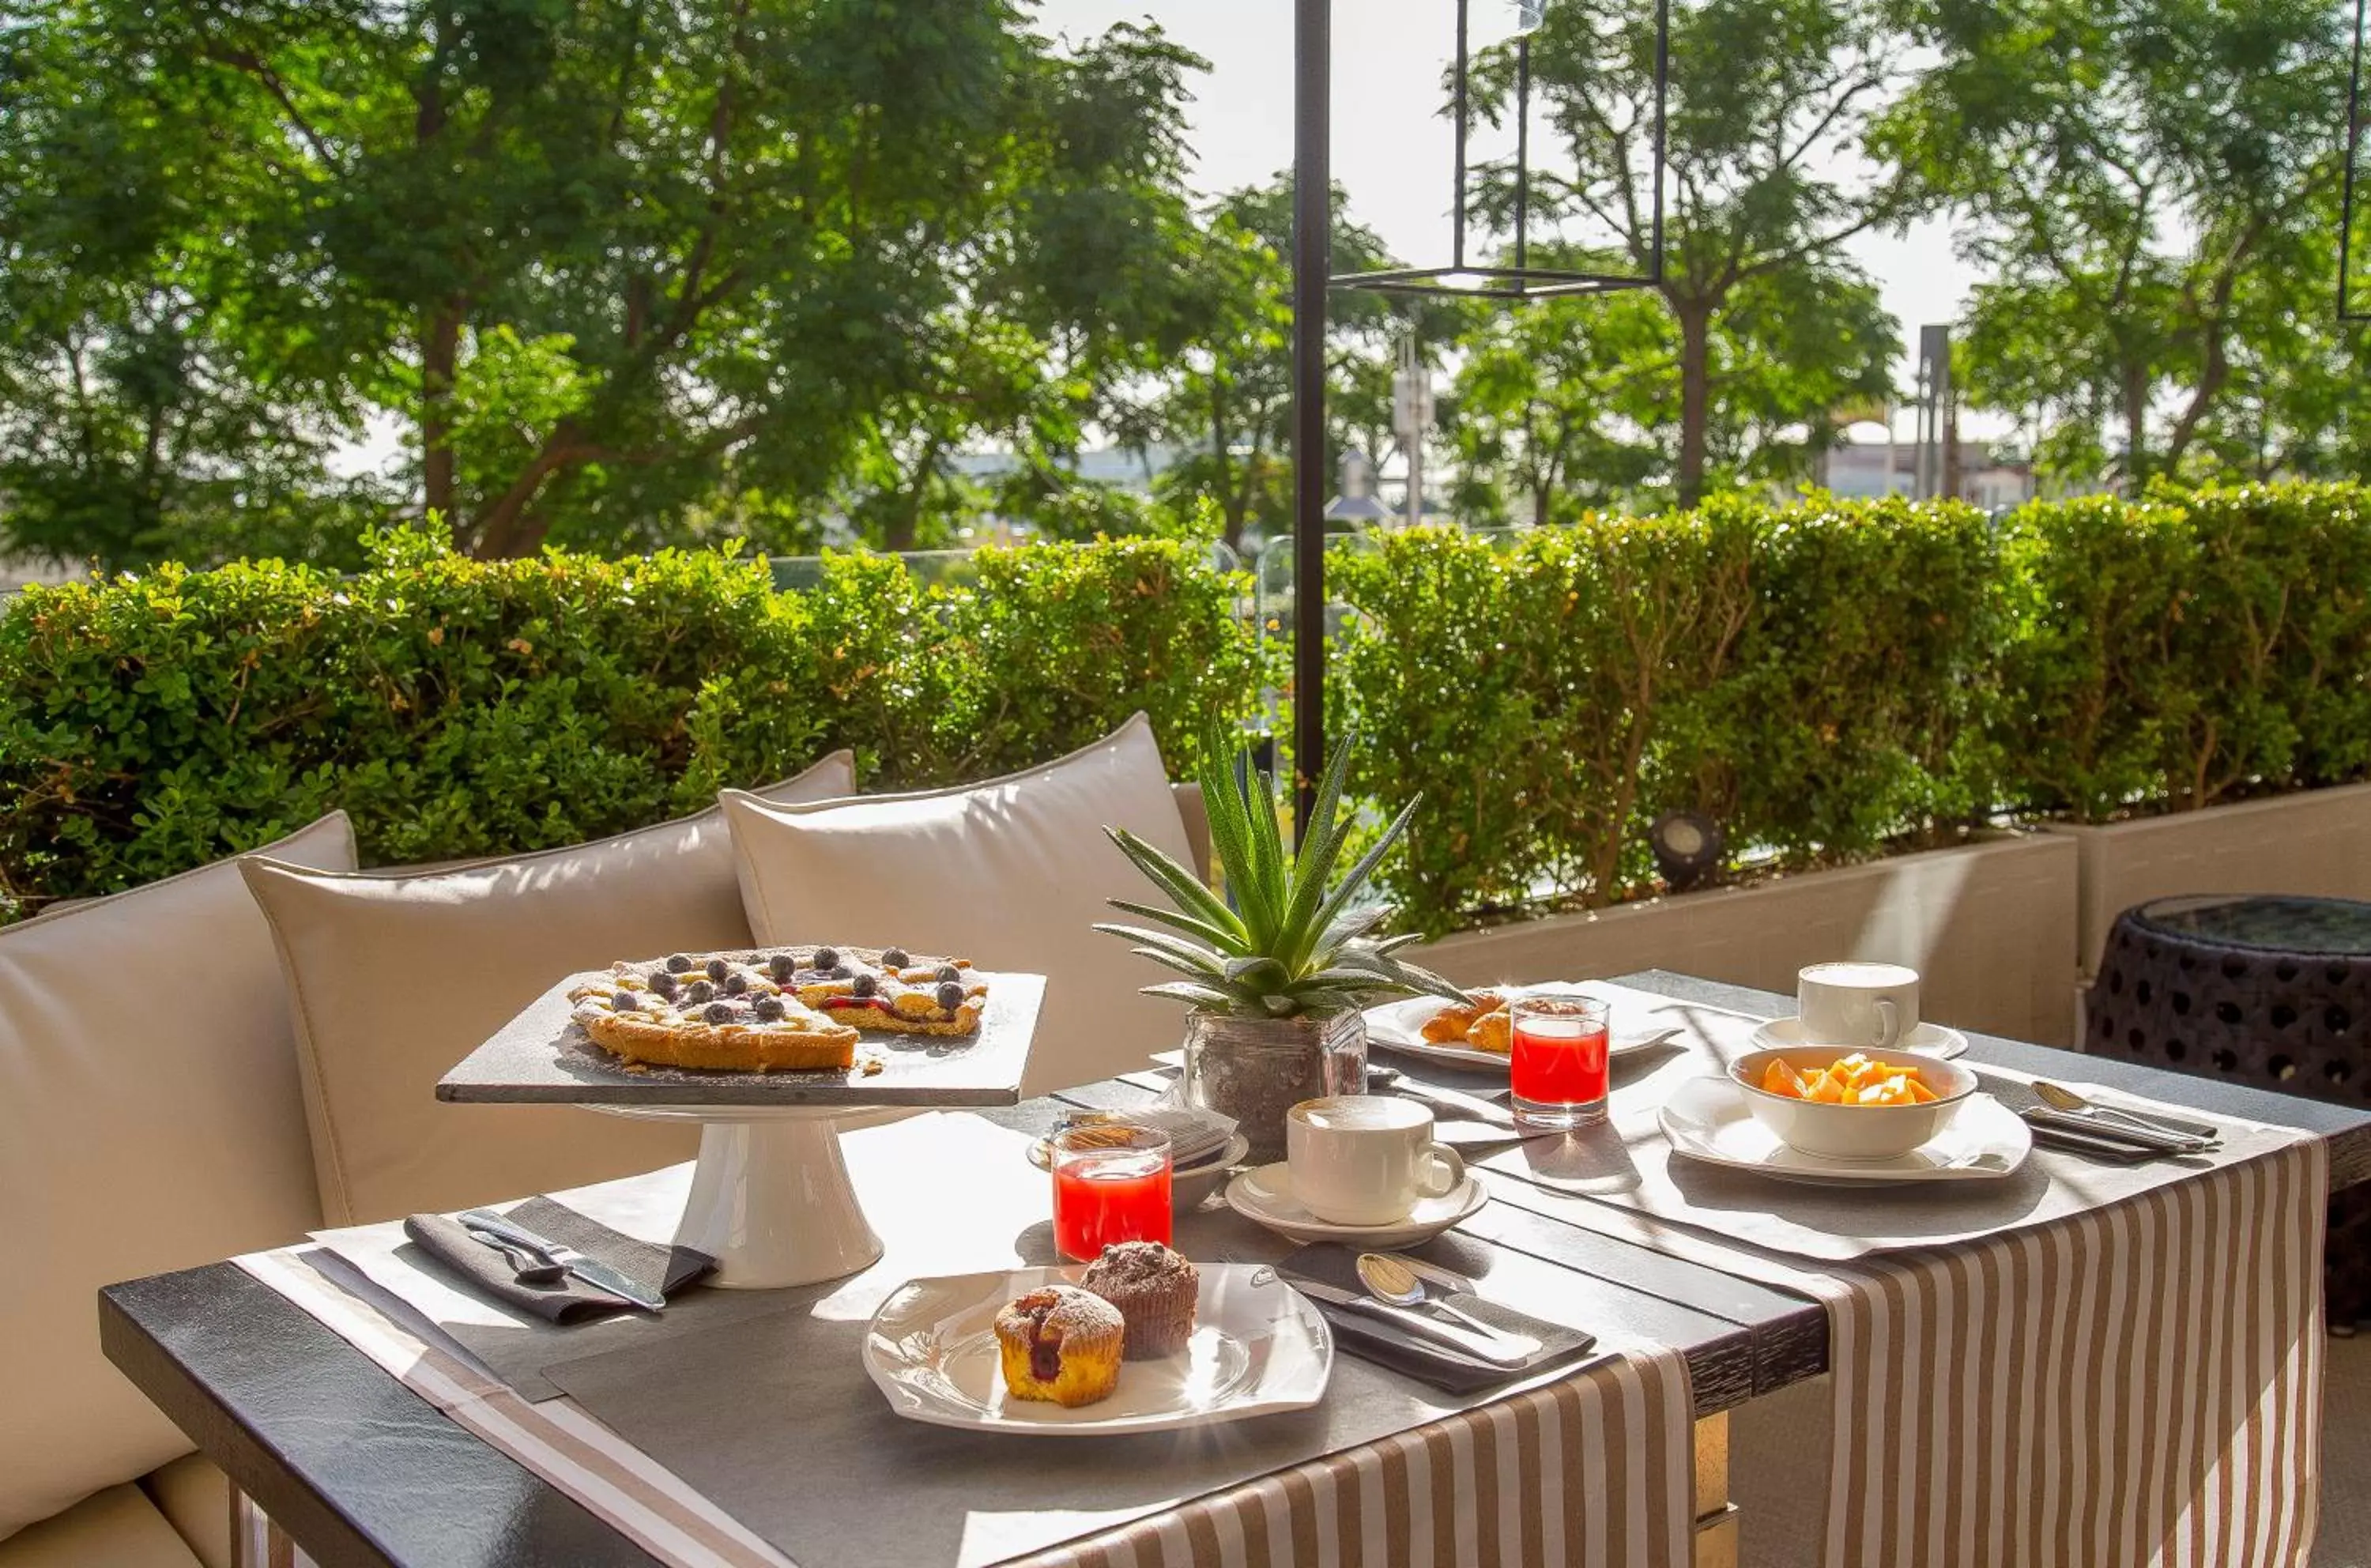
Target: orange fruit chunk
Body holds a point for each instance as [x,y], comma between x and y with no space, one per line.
[1850,1080]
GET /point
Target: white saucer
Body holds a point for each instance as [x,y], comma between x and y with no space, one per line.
[1706,1119]
[1928,1039]
[1264,1195]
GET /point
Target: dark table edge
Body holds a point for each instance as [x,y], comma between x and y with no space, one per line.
[265,1472]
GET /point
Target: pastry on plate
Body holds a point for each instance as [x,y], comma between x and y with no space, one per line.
[1452,1023]
[778,1009]
[1482,1022]
[1493,1031]
[1156,1291]
[709,1011]
[1060,1344]
[884,987]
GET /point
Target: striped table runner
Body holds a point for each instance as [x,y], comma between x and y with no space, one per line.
[2135,1384]
[1591,1469]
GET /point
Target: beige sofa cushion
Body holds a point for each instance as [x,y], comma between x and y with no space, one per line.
[1010,873]
[397,976]
[150,1119]
[194,1495]
[114,1528]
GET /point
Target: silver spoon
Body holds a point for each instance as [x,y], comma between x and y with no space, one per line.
[1391,1279]
[2058,1097]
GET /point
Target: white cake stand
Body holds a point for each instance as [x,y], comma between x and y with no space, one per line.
[770,1199]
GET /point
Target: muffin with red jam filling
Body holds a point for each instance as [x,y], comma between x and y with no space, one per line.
[1155,1291]
[1060,1344]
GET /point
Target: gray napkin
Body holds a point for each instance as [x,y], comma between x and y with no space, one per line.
[669,1269]
[1427,1363]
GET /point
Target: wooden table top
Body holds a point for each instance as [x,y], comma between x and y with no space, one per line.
[343,1456]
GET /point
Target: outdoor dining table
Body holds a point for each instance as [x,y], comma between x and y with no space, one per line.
[358,1470]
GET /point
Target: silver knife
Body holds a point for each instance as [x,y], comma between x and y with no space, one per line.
[2111,1131]
[599,1275]
[1488,1348]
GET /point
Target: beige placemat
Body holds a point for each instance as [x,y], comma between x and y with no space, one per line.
[1628,1163]
[2129,1373]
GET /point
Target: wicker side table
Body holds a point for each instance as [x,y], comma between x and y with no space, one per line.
[2274,992]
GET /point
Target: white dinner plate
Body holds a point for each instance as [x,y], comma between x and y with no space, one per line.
[1706,1119]
[1928,1039]
[1399,1026]
[1258,1346]
[1264,1195]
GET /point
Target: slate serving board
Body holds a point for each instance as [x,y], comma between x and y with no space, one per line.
[541,1056]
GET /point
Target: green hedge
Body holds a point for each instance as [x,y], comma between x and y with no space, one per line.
[460,708]
[1826,679]
[1829,679]
[2186,649]
[1806,675]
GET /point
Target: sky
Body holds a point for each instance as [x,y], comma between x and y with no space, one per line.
[1392,150]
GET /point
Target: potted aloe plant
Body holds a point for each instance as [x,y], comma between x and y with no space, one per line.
[1275,974]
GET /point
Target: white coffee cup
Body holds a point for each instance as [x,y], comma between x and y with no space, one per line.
[1865,1006]
[1365,1159]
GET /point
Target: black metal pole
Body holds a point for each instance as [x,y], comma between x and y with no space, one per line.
[1457,242]
[1313,264]
[2354,149]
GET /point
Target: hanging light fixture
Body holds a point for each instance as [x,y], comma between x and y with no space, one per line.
[2349,308]
[1463,278]
[1313,277]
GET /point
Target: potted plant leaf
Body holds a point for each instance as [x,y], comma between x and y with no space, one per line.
[1275,974]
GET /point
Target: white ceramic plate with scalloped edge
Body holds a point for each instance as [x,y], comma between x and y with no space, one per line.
[1258,1346]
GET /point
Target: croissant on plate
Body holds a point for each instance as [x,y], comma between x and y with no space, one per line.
[1455,1023]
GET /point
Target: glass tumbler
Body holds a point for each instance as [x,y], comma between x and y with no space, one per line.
[1558,1065]
[1110,1184]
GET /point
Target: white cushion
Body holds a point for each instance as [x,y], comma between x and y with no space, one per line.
[396,977]
[1011,874]
[150,1120]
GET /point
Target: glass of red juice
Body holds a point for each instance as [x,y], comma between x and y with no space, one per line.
[1560,1078]
[1110,1184]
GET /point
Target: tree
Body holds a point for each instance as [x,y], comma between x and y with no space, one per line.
[138,410]
[1554,403]
[2142,174]
[2294,405]
[1772,106]
[1225,400]
[610,262]
[1575,403]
